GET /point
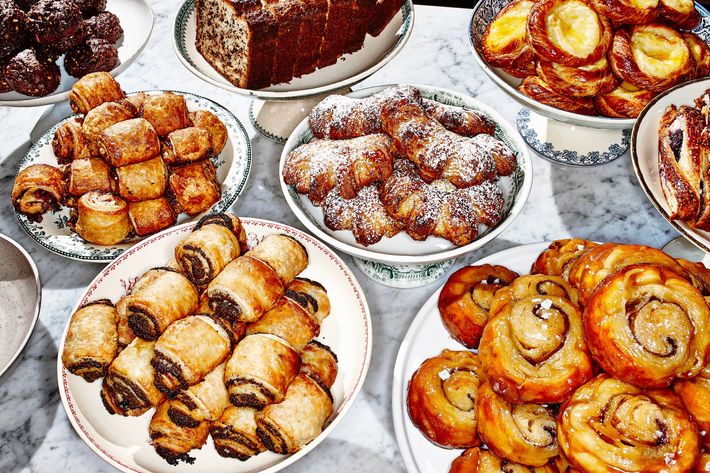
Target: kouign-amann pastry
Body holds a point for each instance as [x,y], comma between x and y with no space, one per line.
[102,218]
[194,188]
[626,101]
[505,43]
[92,90]
[466,297]
[174,442]
[87,175]
[536,88]
[38,188]
[151,216]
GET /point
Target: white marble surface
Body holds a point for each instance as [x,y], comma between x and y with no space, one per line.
[603,203]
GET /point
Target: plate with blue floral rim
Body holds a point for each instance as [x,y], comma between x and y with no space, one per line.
[232,165]
[402,261]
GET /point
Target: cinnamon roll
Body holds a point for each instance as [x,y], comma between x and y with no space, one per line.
[284,254]
[646,325]
[174,442]
[102,218]
[653,57]
[91,343]
[216,240]
[128,142]
[441,396]
[69,142]
[186,146]
[92,90]
[167,112]
[679,13]
[38,188]
[629,12]
[142,181]
[700,51]
[585,81]
[568,32]
[537,89]
[194,188]
[611,426]
[88,174]
[209,122]
[604,260]
[521,433]
[151,216]
[533,286]
[533,350]
[505,44]
[189,350]
[695,393]
[558,258]
[164,296]
[204,401]
[477,460]
[626,101]
[234,433]
[466,297]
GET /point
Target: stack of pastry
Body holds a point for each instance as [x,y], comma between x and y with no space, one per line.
[396,161]
[127,166]
[595,362]
[597,57]
[684,161]
[220,341]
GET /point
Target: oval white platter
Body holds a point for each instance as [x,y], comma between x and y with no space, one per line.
[644,153]
[425,338]
[123,442]
[136,18]
[349,69]
[232,164]
[401,248]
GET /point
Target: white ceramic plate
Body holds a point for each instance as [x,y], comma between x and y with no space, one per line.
[348,70]
[137,22]
[401,248]
[124,442]
[426,338]
[483,14]
[233,165]
[644,152]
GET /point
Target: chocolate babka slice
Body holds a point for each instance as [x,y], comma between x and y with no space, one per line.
[289,17]
[362,13]
[336,31]
[315,15]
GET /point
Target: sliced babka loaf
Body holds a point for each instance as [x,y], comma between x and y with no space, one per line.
[315,14]
[336,31]
[289,17]
[384,11]
[238,38]
[362,13]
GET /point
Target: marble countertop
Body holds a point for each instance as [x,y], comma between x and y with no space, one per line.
[602,203]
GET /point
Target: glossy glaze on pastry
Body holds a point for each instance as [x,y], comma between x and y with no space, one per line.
[477,460]
[625,101]
[505,44]
[37,189]
[695,393]
[536,88]
[631,12]
[585,81]
[559,257]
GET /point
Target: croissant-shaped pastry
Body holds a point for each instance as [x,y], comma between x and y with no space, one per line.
[320,166]
[568,32]
[537,89]
[505,43]
[590,269]
[194,187]
[209,122]
[234,433]
[364,215]
[477,460]
[521,433]
[151,216]
[585,81]
[466,297]
[695,393]
[679,13]
[69,142]
[612,426]
[441,396]
[101,117]
[460,120]
[625,101]
[647,326]
[91,343]
[628,12]
[533,350]
[558,258]
[700,51]
[38,188]
[698,275]
[205,400]
[174,442]
[652,57]
[92,90]
[167,112]
[102,218]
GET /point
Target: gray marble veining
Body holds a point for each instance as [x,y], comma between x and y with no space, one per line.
[603,203]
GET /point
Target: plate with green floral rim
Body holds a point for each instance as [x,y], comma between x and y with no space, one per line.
[52,232]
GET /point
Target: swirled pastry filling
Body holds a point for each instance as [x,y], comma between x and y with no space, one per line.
[573,27]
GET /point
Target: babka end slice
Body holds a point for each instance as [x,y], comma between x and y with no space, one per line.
[362,13]
[383,13]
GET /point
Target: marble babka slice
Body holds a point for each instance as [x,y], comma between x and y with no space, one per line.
[289,17]
[315,14]
[362,13]
[336,31]
[238,38]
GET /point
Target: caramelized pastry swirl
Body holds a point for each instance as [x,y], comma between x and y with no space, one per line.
[466,297]
[441,396]
[646,325]
[522,433]
[612,426]
[476,460]
[626,101]
[695,393]
[533,350]
[558,258]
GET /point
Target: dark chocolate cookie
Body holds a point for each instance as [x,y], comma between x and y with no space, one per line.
[29,75]
[104,25]
[50,21]
[93,55]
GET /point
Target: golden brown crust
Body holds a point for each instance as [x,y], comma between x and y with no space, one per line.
[128,142]
[586,81]
[537,89]
[151,216]
[102,218]
[194,187]
[550,27]
[88,174]
[186,145]
[93,90]
[173,442]
[653,57]
[69,142]
[167,112]
[37,189]
[91,343]
[101,117]
[440,398]
[505,44]
[625,101]
[679,13]
[698,275]
[209,122]
[557,259]
[700,52]
[142,181]
[631,12]
[695,393]
[477,460]
[465,299]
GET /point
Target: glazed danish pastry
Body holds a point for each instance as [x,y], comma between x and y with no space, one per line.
[102,218]
[38,188]
[533,350]
[477,460]
[234,433]
[695,393]
[441,396]
[521,433]
[628,12]
[698,275]
[505,44]
[679,13]
[466,297]
[174,442]
[611,426]
[647,326]
[537,89]
[653,57]
[559,257]
[604,260]
[700,51]
[92,340]
[568,32]
[585,81]
[69,142]
[625,101]
[537,286]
